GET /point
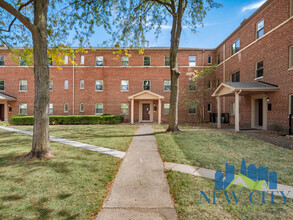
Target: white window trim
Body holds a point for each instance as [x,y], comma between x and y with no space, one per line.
[256,37]
[66,59]
[52,85]
[150,60]
[164,86]
[195,109]
[210,108]
[127,86]
[65,84]
[65,108]
[125,61]
[234,73]
[190,80]
[291,8]
[164,109]
[255,76]
[143,85]
[192,61]
[96,87]
[4,86]
[211,60]
[20,85]
[231,108]
[96,108]
[165,60]
[80,84]
[291,55]
[52,109]
[231,48]
[290,110]
[127,109]
[82,59]
[19,108]
[80,107]
[3,60]
[102,61]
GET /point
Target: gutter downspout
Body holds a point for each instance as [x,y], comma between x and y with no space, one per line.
[203,106]
[224,75]
[73,83]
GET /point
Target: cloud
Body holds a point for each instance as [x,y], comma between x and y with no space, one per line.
[253,6]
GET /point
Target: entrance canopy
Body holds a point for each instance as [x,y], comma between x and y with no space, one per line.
[5,97]
[244,88]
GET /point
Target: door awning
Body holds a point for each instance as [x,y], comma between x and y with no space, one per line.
[6,97]
[146,95]
[246,88]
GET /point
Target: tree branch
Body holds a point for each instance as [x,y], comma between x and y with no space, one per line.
[16,13]
[167,5]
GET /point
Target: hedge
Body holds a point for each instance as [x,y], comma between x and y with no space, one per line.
[70,119]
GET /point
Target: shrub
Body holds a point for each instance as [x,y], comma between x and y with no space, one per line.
[70,119]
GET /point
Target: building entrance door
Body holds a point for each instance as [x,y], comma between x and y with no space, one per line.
[259,112]
[1,112]
[145,112]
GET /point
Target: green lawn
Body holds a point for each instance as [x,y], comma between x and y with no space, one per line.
[186,192]
[116,137]
[212,149]
[72,185]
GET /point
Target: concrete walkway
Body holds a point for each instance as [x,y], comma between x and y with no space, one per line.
[140,190]
[102,150]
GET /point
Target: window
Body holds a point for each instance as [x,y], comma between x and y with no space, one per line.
[218,82]
[209,107]
[99,108]
[22,62]
[124,85]
[99,61]
[192,109]
[146,85]
[50,109]
[51,85]
[260,29]
[219,59]
[166,108]
[2,85]
[147,61]
[192,85]
[1,60]
[23,109]
[291,104]
[66,84]
[82,59]
[259,69]
[66,59]
[167,85]
[209,84]
[50,61]
[81,107]
[235,47]
[291,8]
[23,85]
[232,108]
[209,60]
[81,84]
[125,60]
[291,56]
[65,108]
[124,109]
[235,77]
[192,60]
[167,61]
[99,85]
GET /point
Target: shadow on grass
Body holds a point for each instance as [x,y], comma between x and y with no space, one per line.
[64,196]
[11,198]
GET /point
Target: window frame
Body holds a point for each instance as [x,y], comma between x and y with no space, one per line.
[125,60]
[123,90]
[209,107]
[166,113]
[80,110]
[126,104]
[232,108]
[167,90]
[166,60]
[190,86]
[2,90]
[50,61]
[218,59]
[22,108]
[210,84]
[291,104]
[51,90]
[66,59]
[66,86]
[192,113]
[291,8]
[65,111]
[143,85]
[98,90]
[218,82]
[232,46]
[102,62]
[51,104]
[22,62]
[190,63]
[258,69]
[2,61]
[259,30]
[144,64]
[291,56]
[82,59]
[20,85]
[236,75]
[97,108]
[210,59]
[81,82]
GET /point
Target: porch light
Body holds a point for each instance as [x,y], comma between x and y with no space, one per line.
[268,99]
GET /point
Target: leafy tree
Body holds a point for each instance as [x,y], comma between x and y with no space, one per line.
[37,24]
[136,17]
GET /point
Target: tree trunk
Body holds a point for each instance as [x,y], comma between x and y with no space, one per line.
[175,40]
[41,144]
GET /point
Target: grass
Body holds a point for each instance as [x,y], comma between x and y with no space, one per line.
[212,149]
[72,185]
[116,137]
[186,192]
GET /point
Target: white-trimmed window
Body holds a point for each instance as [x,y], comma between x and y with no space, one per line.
[66,60]
[146,85]
[209,84]
[50,61]
[232,108]
[99,85]
[192,85]
[125,60]
[291,56]
[81,84]
[167,85]
[167,61]
[219,59]
[124,85]
[23,109]
[166,108]
[2,85]
[23,85]
[22,62]
[65,108]
[99,61]
[259,69]
[66,84]
[291,7]
[210,59]
[2,61]
[124,109]
[51,85]
[192,109]
[192,60]
[235,77]
[99,109]
[146,60]
[209,107]
[260,28]
[81,59]
[51,109]
[235,47]
[81,109]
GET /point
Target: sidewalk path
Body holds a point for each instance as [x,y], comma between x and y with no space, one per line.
[140,190]
[102,150]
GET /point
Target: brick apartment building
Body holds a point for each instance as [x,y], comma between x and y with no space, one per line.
[253,82]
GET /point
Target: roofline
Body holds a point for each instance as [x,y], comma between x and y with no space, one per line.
[246,21]
[12,98]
